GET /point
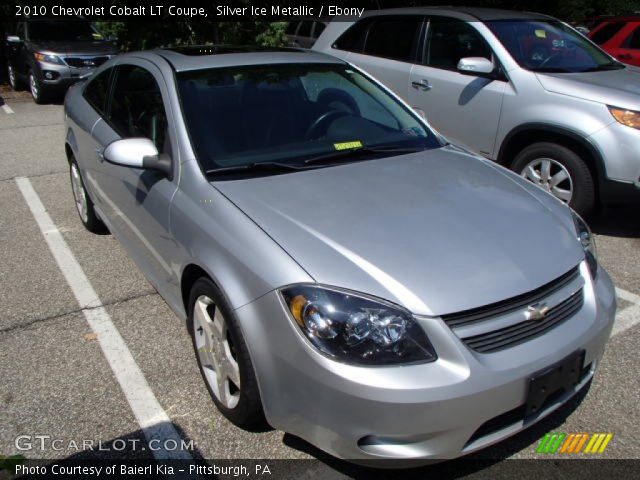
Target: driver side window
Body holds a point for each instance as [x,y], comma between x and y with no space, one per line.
[136,107]
[449,40]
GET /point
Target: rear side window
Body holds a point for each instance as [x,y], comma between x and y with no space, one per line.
[353,39]
[606,32]
[393,38]
[305,29]
[97,91]
[137,109]
[387,37]
[449,40]
[633,41]
[319,28]
[291,28]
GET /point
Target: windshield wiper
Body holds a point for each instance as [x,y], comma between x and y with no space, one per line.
[266,167]
[552,70]
[353,154]
[606,66]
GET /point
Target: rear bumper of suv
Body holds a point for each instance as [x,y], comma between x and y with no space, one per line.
[460,403]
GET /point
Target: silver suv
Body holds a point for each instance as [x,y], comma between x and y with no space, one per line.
[520,88]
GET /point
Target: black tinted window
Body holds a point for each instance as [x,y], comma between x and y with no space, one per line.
[353,39]
[291,28]
[450,40]
[305,29]
[136,108]
[318,30]
[607,31]
[633,41]
[97,90]
[393,38]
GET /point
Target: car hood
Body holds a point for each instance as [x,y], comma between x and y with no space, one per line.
[99,47]
[436,231]
[619,88]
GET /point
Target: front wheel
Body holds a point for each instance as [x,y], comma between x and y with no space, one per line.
[84,205]
[559,171]
[14,81]
[38,92]
[223,356]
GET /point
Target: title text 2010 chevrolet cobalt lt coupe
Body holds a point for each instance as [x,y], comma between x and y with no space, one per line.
[345,273]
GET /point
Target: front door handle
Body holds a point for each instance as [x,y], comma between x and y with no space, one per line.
[421,85]
[625,56]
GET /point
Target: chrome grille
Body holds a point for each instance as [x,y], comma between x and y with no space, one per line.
[85,62]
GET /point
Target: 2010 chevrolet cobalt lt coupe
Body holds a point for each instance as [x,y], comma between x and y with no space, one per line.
[344,273]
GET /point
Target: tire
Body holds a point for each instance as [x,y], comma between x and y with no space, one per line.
[241,404]
[14,82]
[38,92]
[84,205]
[579,181]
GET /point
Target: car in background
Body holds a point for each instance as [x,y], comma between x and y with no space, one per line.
[48,56]
[520,88]
[619,36]
[343,272]
[304,33]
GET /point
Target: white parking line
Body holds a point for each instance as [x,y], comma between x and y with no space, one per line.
[628,296]
[7,109]
[153,420]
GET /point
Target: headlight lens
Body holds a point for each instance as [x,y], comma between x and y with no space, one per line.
[588,242]
[48,57]
[355,329]
[630,118]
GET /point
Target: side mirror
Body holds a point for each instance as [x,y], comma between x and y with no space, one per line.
[13,39]
[475,66]
[138,153]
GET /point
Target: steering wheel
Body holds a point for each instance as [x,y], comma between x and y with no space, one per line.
[544,63]
[321,124]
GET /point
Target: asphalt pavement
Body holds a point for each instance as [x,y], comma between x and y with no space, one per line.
[57,379]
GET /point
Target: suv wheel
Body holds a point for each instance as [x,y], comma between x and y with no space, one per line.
[36,88]
[223,356]
[560,172]
[14,82]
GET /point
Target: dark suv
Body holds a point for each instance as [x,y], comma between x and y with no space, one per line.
[50,55]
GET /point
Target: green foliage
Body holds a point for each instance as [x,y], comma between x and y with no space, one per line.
[145,35]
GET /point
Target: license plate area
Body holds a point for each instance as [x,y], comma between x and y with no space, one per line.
[552,382]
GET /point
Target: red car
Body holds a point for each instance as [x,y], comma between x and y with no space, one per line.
[619,36]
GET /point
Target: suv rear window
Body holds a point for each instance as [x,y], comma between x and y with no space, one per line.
[387,37]
[607,32]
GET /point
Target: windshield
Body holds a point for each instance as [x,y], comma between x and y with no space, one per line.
[550,46]
[290,113]
[61,31]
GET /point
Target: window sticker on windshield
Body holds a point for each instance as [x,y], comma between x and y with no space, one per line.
[541,33]
[347,145]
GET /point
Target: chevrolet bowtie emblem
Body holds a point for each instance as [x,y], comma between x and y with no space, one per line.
[537,311]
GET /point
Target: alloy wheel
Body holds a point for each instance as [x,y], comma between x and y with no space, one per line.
[33,86]
[216,352]
[12,77]
[551,175]
[79,193]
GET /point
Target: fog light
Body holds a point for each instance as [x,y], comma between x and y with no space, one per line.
[49,75]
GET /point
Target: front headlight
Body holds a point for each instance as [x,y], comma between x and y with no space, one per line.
[588,242]
[48,57]
[355,329]
[630,118]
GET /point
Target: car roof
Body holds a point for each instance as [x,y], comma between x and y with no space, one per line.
[464,13]
[196,57]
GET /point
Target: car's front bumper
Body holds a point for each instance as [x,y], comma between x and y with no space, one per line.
[418,412]
[55,76]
